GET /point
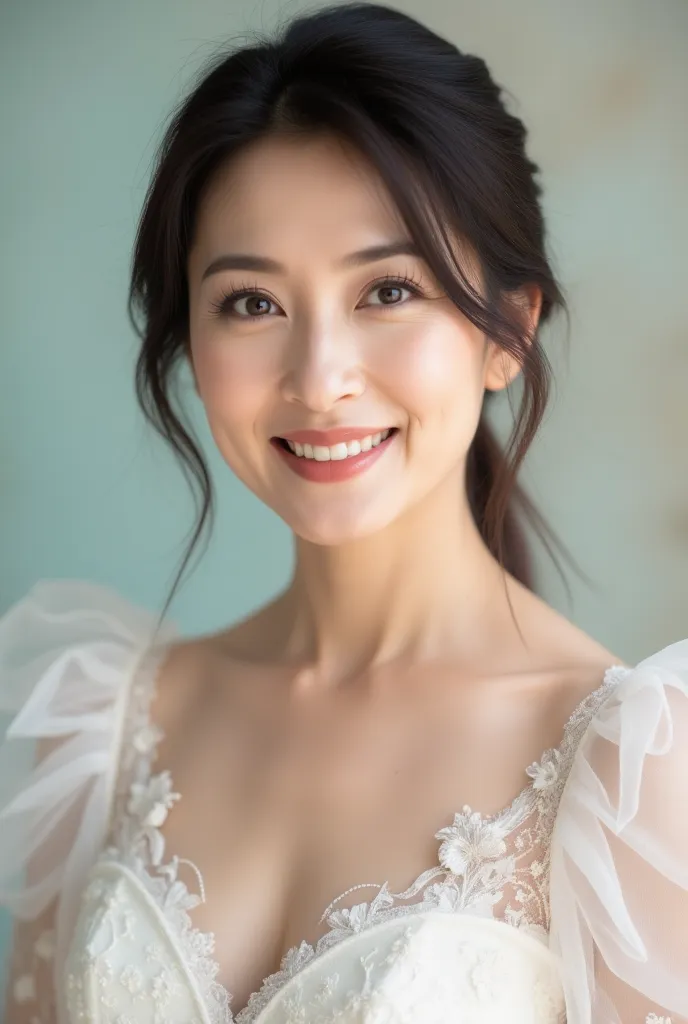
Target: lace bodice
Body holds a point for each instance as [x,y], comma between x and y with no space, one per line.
[494,867]
[478,937]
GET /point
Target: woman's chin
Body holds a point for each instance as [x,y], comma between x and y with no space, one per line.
[338,529]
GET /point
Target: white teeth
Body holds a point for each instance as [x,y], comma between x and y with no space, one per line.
[338,452]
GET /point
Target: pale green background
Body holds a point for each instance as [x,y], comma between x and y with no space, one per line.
[86,491]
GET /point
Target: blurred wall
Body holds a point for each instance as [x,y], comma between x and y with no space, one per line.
[85,491]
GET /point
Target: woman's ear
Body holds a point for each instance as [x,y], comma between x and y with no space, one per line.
[501,367]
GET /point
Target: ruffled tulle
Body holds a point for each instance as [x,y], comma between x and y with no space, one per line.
[68,653]
[619,869]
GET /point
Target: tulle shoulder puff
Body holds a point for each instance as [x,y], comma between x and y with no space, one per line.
[69,652]
[619,867]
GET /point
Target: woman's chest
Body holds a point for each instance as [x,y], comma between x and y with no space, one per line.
[280,822]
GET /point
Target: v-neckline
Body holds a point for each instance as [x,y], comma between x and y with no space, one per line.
[140,740]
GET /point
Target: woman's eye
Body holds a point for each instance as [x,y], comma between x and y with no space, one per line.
[244,305]
[391,293]
[249,305]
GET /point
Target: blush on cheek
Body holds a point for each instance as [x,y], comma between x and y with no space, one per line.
[232,388]
[433,368]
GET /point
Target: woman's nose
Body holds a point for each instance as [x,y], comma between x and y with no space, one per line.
[325,366]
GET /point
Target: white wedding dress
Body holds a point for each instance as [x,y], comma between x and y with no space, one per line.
[571,905]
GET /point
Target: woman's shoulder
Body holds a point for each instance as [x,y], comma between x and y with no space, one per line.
[584,659]
[227,673]
[566,662]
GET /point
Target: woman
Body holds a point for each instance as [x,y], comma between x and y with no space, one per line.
[406,789]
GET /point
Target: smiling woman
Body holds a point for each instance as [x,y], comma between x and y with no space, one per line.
[323,317]
[343,240]
[435,237]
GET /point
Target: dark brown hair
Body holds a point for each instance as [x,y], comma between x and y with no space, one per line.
[434,124]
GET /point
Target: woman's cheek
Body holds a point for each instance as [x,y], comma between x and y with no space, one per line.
[427,369]
[232,382]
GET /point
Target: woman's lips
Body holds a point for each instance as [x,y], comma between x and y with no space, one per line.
[332,471]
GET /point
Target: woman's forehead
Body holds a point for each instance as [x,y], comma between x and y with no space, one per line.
[279,183]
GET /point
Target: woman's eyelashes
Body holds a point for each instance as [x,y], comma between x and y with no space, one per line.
[256,303]
[250,302]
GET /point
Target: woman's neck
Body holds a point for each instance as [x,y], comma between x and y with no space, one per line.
[424,588]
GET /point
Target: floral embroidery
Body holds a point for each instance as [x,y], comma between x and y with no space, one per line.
[546,772]
[131,979]
[469,841]
[150,802]
[536,868]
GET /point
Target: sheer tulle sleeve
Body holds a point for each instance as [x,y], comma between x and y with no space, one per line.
[68,653]
[619,874]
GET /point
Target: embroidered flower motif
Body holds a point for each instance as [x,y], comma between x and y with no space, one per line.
[131,979]
[350,920]
[536,868]
[164,988]
[362,915]
[297,958]
[146,738]
[444,896]
[150,802]
[470,840]
[545,773]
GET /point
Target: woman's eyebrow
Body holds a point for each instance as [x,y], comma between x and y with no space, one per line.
[249,261]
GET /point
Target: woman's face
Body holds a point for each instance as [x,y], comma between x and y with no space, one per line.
[295,326]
